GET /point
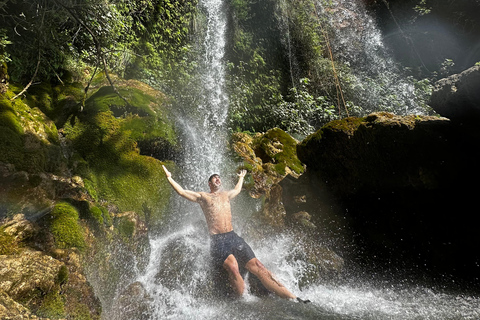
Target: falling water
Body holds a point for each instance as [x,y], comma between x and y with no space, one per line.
[378,81]
[177,283]
[205,132]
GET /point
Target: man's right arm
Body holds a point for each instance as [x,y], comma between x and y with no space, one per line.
[187,194]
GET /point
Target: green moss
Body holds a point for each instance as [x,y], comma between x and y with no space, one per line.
[108,159]
[80,312]
[41,96]
[107,217]
[96,213]
[52,307]
[65,226]
[149,128]
[347,125]
[8,116]
[29,139]
[281,148]
[126,227]
[62,276]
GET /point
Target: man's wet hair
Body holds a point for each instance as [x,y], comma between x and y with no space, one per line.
[213,175]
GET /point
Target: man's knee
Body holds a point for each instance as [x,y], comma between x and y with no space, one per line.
[231,265]
[255,266]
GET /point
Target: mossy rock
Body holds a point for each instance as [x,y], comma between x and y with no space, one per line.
[29,138]
[65,226]
[107,155]
[269,157]
[56,101]
[53,306]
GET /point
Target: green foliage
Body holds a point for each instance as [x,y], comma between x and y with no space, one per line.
[447,67]
[4,56]
[65,227]
[421,8]
[299,97]
[134,38]
[303,113]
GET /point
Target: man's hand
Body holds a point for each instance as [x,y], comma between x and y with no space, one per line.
[242,173]
[167,173]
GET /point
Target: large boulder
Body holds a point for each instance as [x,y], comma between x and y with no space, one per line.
[458,96]
[402,187]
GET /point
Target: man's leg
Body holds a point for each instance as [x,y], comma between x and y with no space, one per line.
[267,279]
[236,281]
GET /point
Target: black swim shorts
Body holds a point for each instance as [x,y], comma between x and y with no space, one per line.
[224,244]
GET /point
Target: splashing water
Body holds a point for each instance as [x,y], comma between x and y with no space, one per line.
[177,282]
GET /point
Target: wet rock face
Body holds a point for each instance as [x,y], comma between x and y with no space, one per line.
[32,270]
[357,155]
[458,96]
[404,184]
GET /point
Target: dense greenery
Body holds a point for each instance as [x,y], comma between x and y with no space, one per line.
[131,38]
[65,226]
[276,49]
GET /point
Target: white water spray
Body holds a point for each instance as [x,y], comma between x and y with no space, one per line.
[206,129]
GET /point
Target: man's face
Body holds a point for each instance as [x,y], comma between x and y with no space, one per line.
[215,182]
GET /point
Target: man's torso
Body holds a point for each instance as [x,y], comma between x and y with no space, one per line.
[216,208]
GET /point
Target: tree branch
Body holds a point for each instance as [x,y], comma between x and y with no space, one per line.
[98,47]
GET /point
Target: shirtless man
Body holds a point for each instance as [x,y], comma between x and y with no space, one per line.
[227,247]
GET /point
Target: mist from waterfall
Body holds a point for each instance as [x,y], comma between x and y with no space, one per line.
[378,82]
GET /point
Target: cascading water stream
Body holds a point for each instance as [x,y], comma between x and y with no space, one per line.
[177,283]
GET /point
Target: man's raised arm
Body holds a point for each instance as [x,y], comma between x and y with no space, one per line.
[238,187]
[187,194]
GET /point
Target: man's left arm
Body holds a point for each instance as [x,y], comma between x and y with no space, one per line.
[238,187]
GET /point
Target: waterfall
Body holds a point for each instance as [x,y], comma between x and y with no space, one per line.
[206,131]
[378,82]
[177,283]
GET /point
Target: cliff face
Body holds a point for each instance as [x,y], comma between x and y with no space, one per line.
[404,184]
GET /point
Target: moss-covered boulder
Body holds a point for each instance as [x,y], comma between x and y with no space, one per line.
[105,137]
[458,97]
[70,164]
[271,159]
[379,151]
[29,138]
